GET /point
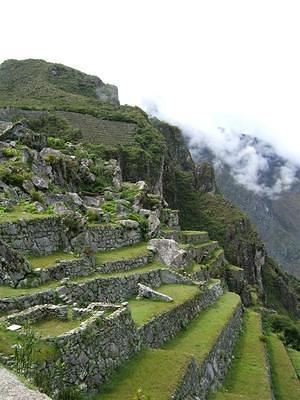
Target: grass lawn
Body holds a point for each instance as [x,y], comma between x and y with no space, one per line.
[286,385]
[158,372]
[19,213]
[295,358]
[51,259]
[144,309]
[42,351]
[248,376]
[6,291]
[55,327]
[123,253]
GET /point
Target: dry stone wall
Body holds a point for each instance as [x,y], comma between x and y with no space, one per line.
[36,236]
[165,326]
[199,379]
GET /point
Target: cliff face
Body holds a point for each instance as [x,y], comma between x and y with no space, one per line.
[191,188]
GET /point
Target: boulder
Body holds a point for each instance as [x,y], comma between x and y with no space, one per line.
[153,224]
[129,223]
[60,208]
[169,253]
[75,199]
[40,182]
[149,293]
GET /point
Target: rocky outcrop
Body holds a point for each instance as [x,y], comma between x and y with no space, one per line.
[169,253]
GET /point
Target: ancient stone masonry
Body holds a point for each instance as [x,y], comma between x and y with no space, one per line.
[8,304]
[82,266]
[199,379]
[162,328]
[126,265]
[13,267]
[37,236]
[38,313]
[105,237]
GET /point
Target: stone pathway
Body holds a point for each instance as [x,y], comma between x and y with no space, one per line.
[13,389]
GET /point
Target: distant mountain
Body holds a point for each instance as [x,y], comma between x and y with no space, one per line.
[37,83]
[276,216]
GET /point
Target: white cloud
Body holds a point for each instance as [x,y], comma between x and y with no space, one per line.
[204,63]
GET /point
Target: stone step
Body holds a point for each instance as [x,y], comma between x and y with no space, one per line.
[186,237]
[194,237]
[189,364]
[248,376]
[284,378]
[124,259]
[200,252]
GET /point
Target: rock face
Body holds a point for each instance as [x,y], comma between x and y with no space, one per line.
[169,253]
[148,293]
[13,267]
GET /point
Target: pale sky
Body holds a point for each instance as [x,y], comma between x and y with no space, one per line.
[204,63]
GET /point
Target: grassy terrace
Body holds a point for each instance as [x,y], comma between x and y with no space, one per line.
[124,253]
[285,382]
[6,291]
[295,358]
[158,372]
[56,327]
[49,260]
[248,376]
[18,213]
[198,246]
[145,309]
[42,351]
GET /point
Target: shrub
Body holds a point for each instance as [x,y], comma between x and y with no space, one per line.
[10,152]
[37,196]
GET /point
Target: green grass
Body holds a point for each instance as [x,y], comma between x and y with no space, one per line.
[158,372]
[248,375]
[144,309]
[42,350]
[295,358]
[51,259]
[55,327]
[6,291]
[124,253]
[18,213]
[285,382]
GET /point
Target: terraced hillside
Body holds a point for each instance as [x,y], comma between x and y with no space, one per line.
[124,274]
[88,298]
[92,129]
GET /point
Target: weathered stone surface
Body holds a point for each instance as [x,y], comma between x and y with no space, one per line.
[169,253]
[129,223]
[13,267]
[40,183]
[153,224]
[149,293]
[13,389]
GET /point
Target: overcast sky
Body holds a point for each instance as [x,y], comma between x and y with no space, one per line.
[204,64]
